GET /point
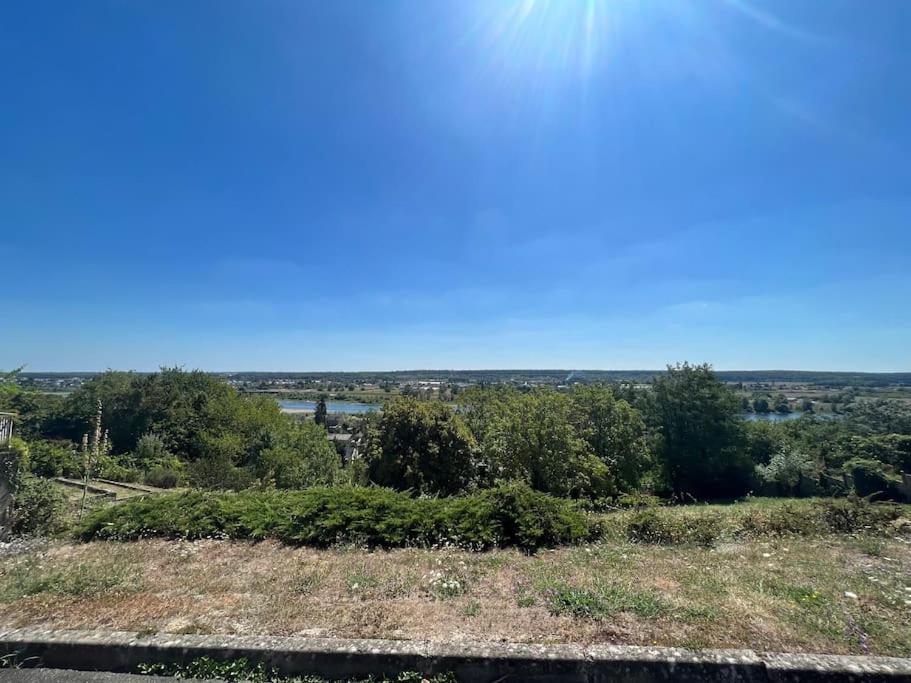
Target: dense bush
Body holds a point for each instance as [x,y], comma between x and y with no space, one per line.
[536,437]
[819,516]
[505,516]
[706,525]
[162,477]
[649,526]
[699,434]
[14,463]
[117,469]
[219,473]
[873,478]
[151,451]
[38,507]
[54,459]
[788,468]
[421,446]
[298,457]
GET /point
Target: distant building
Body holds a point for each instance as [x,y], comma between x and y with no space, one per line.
[346,445]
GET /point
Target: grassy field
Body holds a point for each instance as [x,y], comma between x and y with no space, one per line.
[837,593]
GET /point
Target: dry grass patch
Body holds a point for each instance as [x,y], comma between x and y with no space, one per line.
[786,594]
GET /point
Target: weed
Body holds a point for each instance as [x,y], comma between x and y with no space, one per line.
[305,582]
[472,609]
[31,576]
[871,546]
[604,602]
[525,601]
[360,581]
[700,614]
[236,670]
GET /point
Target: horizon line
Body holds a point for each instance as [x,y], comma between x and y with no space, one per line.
[456,370]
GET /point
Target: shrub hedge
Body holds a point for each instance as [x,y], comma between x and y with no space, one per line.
[512,515]
[705,525]
[38,507]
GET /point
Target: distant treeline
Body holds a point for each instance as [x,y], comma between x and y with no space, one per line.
[553,377]
[683,437]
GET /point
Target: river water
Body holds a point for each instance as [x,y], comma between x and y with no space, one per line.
[349,407]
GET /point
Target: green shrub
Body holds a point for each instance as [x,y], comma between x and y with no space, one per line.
[54,459]
[217,473]
[849,515]
[151,450]
[39,507]
[818,517]
[873,478]
[638,501]
[782,520]
[117,469]
[506,516]
[649,526]
[14,463]
[162,477]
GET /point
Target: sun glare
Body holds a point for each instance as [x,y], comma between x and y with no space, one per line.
[551,34]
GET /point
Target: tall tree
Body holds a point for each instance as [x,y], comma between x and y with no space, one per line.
[321,414]
[615,432]
[534,436]
[701,444]
[421,445]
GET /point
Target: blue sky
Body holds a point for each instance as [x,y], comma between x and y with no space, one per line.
[303,185]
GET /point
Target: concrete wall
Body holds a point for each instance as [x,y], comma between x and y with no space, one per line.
[342,658]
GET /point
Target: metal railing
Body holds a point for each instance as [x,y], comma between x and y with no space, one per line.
[6,428]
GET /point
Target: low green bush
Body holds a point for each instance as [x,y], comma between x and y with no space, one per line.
[648,526]
[623,501]
[808,518]
[117,469]
[38,507]
[54,459]
[848,515]
[788,518]
[162,477]
[638,500]
[706,525]
[219,474]
[512,515]
[873,478]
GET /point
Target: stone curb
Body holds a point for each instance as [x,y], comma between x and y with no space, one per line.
[342,658]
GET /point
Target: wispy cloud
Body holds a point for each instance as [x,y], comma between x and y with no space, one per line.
[773,23]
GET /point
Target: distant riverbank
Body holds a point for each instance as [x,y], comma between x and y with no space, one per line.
[348,407]
[355,408]
[772,417]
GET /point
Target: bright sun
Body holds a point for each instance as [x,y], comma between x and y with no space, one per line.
[548,34]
